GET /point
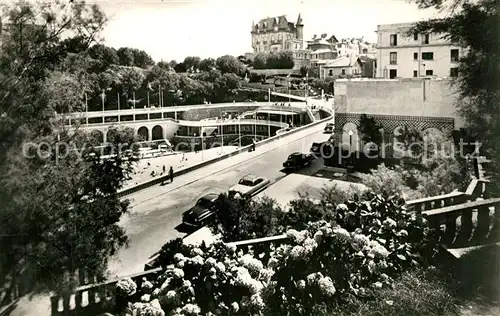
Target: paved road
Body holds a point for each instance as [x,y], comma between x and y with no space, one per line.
[156,212]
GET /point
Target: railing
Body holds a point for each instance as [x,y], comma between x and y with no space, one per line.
[468,224]
[93,299]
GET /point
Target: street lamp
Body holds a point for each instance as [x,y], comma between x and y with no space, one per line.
[350,147]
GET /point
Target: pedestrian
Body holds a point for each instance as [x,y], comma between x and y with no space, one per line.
[253,144]
[171,174]
[163,169]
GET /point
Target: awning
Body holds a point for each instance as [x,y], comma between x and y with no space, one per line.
[209,130]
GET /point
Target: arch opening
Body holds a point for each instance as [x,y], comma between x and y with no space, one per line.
[157,133]
[350,138]
[143,133]
[97,136]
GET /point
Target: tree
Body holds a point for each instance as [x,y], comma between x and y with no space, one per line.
[192,63]
[141,58]
[260,61]
[126,56]
[105,55]
[164,65]
[180,68]
[59,210]
[229,64]
[370,130]
[207,64]
[474,25]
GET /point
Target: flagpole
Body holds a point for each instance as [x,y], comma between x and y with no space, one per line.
[133,97]
[118,94]
[148,99]
[159,95]
[239,129]
[103,105]
[86,109]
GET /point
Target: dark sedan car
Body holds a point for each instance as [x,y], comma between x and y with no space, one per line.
[202,212]
[329,128]
[297,161]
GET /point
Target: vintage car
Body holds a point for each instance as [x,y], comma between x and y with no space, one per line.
[202,212]
[329,128]
[249,185]
[297,161]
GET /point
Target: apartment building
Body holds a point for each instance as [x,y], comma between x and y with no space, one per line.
[404,55]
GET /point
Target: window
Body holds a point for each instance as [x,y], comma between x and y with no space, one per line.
[394,39]
[330,72]
[427,56]
[426,39]
[393,73]
[454,55]
[415,74]
[393,58]
[429,72]
[454,72]
[343,71]
[415,36]
[272,38]
[415,56]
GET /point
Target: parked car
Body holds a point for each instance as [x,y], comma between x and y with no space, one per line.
[329,128]
[316,148]
[249,185]
[297,161]
[202,212]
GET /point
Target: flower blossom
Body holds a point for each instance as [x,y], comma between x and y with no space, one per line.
[403,233]
[319,236]
[179,257]
[297,236]
[309,245]
[257,302]
[273,263]
[326,286]
[341,234]
[297,252]
[231,248]
[220,267]
[389,223]
[197,260]
[145,298]
[252,264]
[210,262]
[265,275]
[191,309]
[152,308]
[313,278]
[178,273]
[126,287]
[196,252]
[342,207]
[235,307]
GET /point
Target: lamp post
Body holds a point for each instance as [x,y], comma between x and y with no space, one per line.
[350,146]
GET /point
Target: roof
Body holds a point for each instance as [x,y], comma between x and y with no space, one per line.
[343,62]
[365,59]
[322,50]
[250,177]
[268,24]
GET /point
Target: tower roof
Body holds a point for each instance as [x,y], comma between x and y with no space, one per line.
[299,20]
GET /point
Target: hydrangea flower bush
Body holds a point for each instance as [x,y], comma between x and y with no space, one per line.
[367,246]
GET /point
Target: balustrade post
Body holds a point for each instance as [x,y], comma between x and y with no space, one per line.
[66,304]
[450,228]
[54,304]
[465,227]
[78,300]
[483,224]
[495,231]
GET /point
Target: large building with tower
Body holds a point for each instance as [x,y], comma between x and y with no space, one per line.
[277,34]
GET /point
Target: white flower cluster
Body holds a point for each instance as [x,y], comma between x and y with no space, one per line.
[296,236]
[126,287]
[152,308]
[378,250]
[326,286]
[243,278]
[191,310]
[389,223]
[252,264]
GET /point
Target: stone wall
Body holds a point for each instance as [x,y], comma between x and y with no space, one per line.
[404,97]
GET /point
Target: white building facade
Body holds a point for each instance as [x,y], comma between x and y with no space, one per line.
[403,55]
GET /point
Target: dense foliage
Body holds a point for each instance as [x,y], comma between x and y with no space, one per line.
[278,60]
[363,250]
[59,209]
[370,130]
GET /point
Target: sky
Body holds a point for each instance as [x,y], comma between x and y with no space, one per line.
[174,29]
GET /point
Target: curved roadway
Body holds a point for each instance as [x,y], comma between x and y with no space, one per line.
[156,212]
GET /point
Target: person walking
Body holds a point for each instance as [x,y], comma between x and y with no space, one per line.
[163,169]
[171,174]
[253,144]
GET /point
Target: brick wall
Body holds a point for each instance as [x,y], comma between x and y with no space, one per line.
[408,97]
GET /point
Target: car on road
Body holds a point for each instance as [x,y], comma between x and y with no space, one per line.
[249,185]
[329,128]
[316,148]
[297,161]
[202,212]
